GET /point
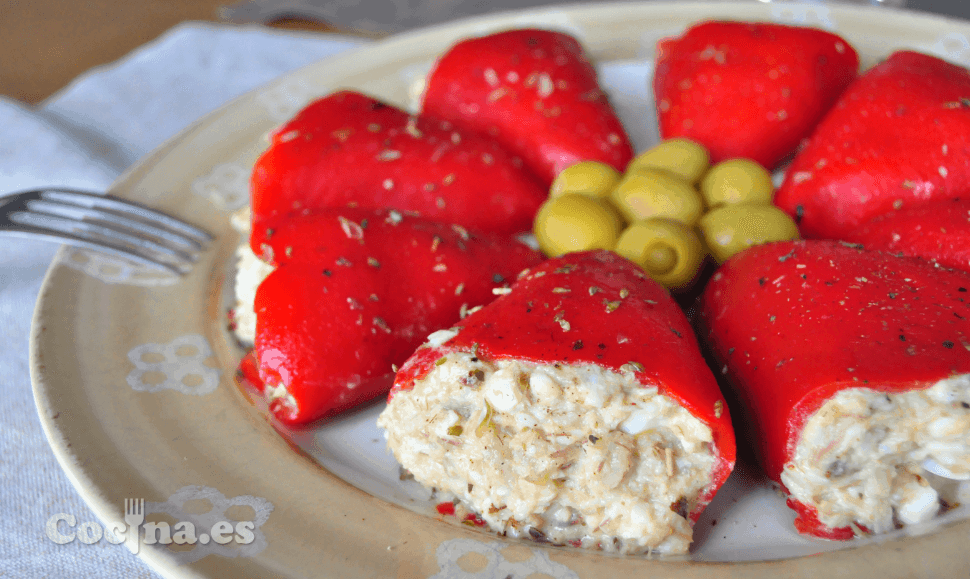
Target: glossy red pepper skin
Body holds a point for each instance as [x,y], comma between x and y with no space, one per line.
[749,89]
[356,291]
[349,148]
[596,308]
[536,93]
[898,137]
[938,232]
[794,323]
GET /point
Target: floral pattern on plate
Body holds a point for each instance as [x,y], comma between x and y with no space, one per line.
[227,186]
[241,544]
[470,559]
[177,365]
[112,269]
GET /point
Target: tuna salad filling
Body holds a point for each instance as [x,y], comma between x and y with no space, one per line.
[878,461]
[250,272]
[569,454]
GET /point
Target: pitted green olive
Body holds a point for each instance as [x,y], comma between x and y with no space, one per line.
[573,222]
[737,181]
[682,157]
[648,193]
[730,229]
[590,178]
[669,251]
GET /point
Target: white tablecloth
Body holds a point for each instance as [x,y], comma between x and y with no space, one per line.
[84,137]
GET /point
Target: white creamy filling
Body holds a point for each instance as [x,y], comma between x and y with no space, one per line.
[250,272]
[561,453]
[884,460]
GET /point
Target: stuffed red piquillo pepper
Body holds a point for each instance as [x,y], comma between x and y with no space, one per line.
[854,372]
[349,148]
[577,409]
[533,91]
[938,231]
[354,292]
[898,137]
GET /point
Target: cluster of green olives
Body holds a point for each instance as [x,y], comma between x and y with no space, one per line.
[651,214]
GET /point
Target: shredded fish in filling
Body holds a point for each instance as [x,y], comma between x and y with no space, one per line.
[562,453]
[882,460]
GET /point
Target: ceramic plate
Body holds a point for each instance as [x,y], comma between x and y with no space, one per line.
[134,372]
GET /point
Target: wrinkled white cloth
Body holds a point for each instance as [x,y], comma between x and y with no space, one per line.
[84,137]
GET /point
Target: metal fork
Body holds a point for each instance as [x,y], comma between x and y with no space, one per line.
[134,516]
[104,223]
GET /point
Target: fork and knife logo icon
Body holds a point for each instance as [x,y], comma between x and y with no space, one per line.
[134,517]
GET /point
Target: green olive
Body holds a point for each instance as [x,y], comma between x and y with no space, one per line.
[733,228]
[590,178]
[737,181]
[573,222]
[682,157]
[647,193]
[669,251]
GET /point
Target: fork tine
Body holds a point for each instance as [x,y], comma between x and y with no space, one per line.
[104,224]
[95,231]
[141,255]
[117,221]
[130,208]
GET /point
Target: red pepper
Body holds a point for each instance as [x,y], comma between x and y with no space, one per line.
[349,148]
[939,231]
[596,308]
[794,323]
[474,520]
[354,292]
[446,508]
[898,137]
[533,91]
[749,89]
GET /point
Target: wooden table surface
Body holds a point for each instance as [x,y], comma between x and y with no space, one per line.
[46,43]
